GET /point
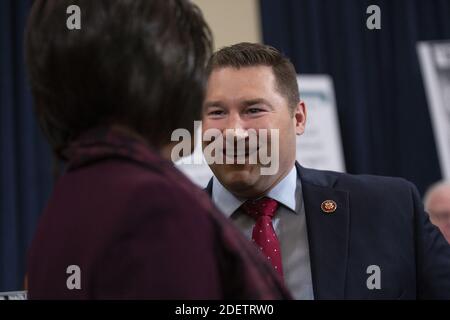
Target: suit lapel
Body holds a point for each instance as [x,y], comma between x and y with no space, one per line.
[208,188]
[327,233]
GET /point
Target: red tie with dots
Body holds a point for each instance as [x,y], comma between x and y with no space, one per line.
[263,210]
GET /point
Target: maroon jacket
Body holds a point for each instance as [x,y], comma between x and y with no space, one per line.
[139,229]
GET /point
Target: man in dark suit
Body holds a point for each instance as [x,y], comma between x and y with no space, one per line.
[329,235]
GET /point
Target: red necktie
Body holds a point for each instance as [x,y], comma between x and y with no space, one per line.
[263,210]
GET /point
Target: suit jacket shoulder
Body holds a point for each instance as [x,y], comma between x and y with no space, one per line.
[382,224]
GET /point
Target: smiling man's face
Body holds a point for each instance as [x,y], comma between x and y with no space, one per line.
[247,98]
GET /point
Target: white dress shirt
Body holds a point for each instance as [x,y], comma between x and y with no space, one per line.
[289,224]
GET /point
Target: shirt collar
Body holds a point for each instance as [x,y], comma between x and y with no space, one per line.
[283,192]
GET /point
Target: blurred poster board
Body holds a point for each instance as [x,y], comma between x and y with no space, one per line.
[319,147]
[434,57]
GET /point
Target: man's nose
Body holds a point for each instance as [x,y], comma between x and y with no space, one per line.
[236,128]
[235,122]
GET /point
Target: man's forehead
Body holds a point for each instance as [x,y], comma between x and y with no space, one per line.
[238,86]
[247,82]
[241,72]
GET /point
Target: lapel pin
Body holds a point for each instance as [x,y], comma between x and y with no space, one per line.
[328,206]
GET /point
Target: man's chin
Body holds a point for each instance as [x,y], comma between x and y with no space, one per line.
[237,178]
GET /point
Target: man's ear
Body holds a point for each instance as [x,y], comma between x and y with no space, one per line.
[300,118]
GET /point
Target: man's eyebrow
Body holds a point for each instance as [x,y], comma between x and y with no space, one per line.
[251,102]
[210,104]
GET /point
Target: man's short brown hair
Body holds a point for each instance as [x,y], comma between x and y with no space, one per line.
[247,54]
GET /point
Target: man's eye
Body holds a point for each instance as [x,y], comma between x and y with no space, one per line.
[215,113]
[254,110]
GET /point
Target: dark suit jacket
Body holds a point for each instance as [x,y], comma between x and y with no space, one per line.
[379,221]
[137,228]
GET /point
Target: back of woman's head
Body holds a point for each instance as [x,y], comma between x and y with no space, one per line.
[137,63]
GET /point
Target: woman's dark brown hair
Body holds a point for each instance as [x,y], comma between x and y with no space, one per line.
[137,63]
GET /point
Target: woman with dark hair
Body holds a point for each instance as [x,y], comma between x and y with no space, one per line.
[122,222]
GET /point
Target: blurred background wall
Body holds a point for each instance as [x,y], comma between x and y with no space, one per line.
[232,21]
[381,103]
